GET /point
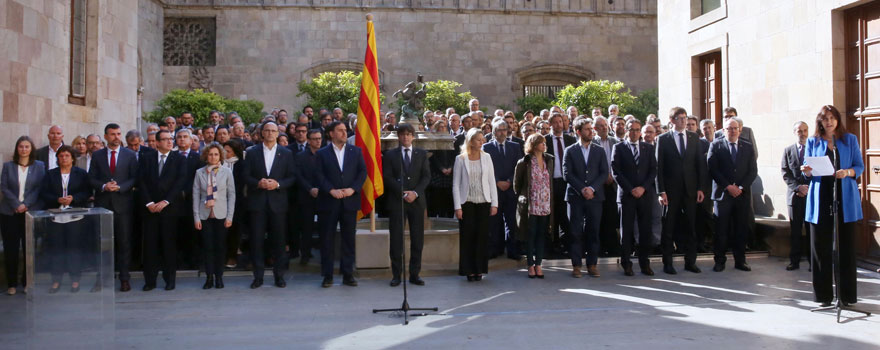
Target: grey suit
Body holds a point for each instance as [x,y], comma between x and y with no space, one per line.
[224,198]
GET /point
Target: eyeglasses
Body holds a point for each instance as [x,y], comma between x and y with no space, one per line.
[300,130]
[166,139]
[633,129]
[314,139]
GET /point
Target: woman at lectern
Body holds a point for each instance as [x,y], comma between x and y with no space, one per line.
[20,183]
[66,186]
[831,136]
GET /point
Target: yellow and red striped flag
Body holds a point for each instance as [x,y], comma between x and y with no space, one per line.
[367,133]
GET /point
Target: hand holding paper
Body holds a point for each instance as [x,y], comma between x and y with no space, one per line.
[820,166]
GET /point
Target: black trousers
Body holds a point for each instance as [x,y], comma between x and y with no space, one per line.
[609,238]
[122,227]
[12,230]
[473,239]
[188,241]
[636,211]
[681,210]
[306,220]
[560,225]
[439,202]
[732,226]
[160,240]
[66,243]
[822,237]
[796,212]
[414,214]
[705,223]
[327,221]
[536,239]
[585,217]
[234,233]
[263,220]
[214,242]
[502,226]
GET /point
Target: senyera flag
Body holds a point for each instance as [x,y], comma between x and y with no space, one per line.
[367,133]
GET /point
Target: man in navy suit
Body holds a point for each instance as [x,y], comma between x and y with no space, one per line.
[733,166]
[187,236]
[297,237]
[161,180]
[341,174]
[307,192]
[585,170]
[635,169]
[681,175]
[269,171]
[504,155]
[113,173]
[557,141]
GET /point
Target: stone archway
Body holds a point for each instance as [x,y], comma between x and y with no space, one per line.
[338,66]
[549,75]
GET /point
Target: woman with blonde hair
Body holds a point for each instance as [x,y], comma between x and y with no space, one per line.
[475,198]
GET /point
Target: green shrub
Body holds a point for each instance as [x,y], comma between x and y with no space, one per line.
[200,104]
[331,90]
[646,103]
[596,93]
[535,103]
[441,95]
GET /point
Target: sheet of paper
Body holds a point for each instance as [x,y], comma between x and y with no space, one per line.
[821,165]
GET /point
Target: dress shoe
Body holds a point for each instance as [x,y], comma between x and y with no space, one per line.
[647,271]
[669,270]
[54,290]
[209,283]
[576,272]
[532,272]
[470,278]
[327,282]
[280,282]
[825,304]
[692,268]
[538,272]
[125,286]
[395,282]
[256,283]
[628,270]
[169,286]
[478,277]
[743,267]
[417,281]
[593,270]
[74,289]
[11,290]
[718,267]
[148,287]
[792,267]
[218,282]
[349,281]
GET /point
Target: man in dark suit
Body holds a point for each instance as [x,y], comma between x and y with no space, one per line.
[296,236]
[733,167]
[269,171]
[46,154]
[113,173]
[406,176]
[798,186]
[467,122]
[160,182]
[307,193]
[681,174]
[635,171]
[341,174]
[705,221]
[585,170]
[502,228]
[187,236]
[557,141]
[609,238]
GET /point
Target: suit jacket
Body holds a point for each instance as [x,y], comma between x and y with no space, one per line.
[224,197]
[352,175]
[144,150]
[82,162]
[504,166]
[850,155]
[704,148]
[42,154]
[193,162]
[567,140]
[10,184]
[726,172]
[628,174]
[126,176]
[283,170]
[459,140]
[791,171]
[747,134]
[397,179]
[306,177]
[677,174]
[167,186]
[461,180]
[77,186]
[579,174]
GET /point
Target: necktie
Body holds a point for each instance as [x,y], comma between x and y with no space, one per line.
[559,151]
[184,154]
[800,154]
[161,164]
[681,143]
[406,159]
[301,148]
[112,162]
[635,150]
[502,149]
[733,152]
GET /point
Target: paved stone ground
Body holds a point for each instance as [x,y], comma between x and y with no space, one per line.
[766,308]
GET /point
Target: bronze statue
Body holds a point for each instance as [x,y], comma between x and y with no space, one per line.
[411,109]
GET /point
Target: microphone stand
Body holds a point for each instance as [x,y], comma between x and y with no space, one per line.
[404,307]
[838,304]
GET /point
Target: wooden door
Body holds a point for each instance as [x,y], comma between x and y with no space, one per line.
[710,87]
[863,116]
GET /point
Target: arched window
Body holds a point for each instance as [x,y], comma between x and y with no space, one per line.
[547,79]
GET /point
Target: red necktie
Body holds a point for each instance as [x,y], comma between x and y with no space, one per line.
[112,162]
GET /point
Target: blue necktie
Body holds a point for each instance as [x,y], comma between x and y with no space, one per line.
[406,160]
[502,149]
[681,144]
[733,152]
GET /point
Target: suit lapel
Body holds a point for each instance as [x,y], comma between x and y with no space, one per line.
[261,161]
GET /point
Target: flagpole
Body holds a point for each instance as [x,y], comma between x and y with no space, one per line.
[373,221]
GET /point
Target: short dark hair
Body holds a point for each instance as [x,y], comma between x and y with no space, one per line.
[332,126]
[160,132]
[237,147]
[308,106]
[110,126]
[730,110]
[314,131]
[66,148]
[676,111]
[208,126]
[16,158]
[186,112]
[405,128]
[298,124]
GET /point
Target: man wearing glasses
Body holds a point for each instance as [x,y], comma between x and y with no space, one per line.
[307,191]
[502,227]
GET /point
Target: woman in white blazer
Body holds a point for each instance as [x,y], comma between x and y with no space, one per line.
[213,209]
[475,199]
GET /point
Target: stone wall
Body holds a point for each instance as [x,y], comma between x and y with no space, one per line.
[35,68]
[264,50]
[151,17]
[781,61]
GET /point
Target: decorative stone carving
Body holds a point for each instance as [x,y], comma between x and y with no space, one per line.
[190,41]
[200,78]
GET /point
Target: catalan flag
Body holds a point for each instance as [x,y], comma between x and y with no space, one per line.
[367,133]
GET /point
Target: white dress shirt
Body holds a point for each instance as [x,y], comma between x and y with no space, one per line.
[53,161]
[557,171]
[269,157]
[340,155]
[22,181]
[110,154]
[685,137]
[65,180]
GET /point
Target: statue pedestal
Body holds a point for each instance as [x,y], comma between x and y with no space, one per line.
[425,140]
